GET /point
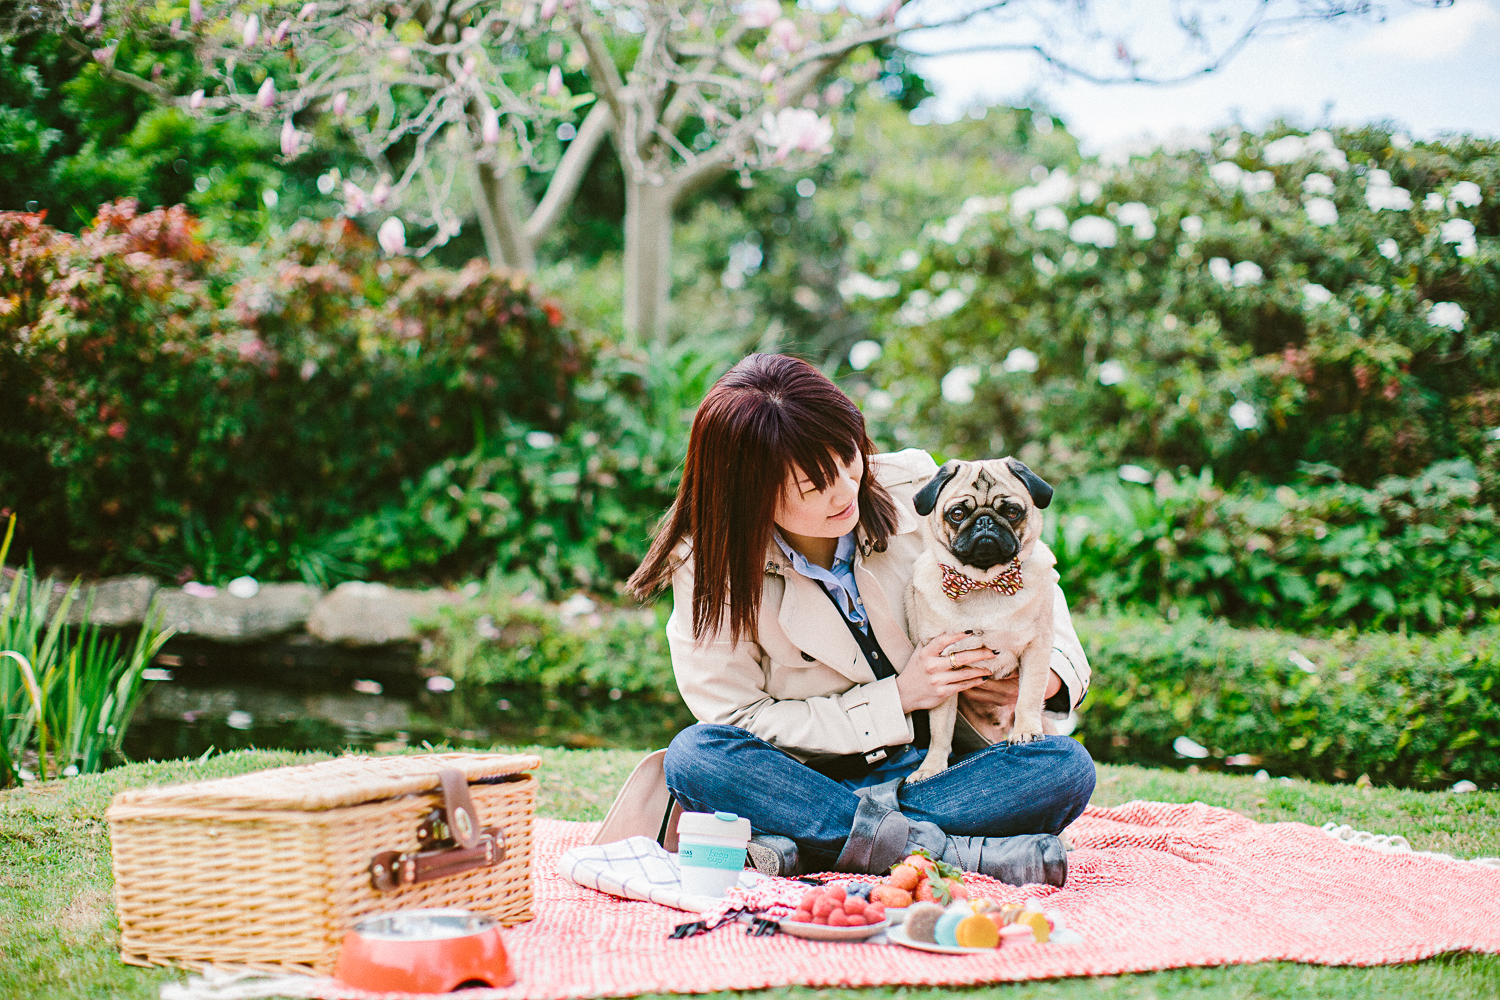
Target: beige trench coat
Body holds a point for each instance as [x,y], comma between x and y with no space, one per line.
[803,684]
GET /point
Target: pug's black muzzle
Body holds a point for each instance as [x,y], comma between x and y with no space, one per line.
[984,542]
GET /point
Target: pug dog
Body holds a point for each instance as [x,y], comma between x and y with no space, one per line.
[981,572]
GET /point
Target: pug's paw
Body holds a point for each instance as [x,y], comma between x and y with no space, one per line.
[1024,734]
[975,641]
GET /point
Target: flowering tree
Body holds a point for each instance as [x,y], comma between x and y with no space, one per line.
[446,100]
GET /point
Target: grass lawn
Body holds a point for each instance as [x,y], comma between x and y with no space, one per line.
[57,928]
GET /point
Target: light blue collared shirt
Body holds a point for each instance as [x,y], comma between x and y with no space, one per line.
[839,580]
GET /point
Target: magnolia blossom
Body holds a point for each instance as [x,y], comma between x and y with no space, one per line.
[195,10]
[548,10]
[340,103]
[195,100]
[1466,193]
[1258,182]
[1050,217]
[1388,249]
[266,95]
[279,34]
[1434,202]
[760,13]
[392,236]
[796,130]
[1319,144]
[1221,269]
[356,202]
[1226,174]
[1135,474]
[1111,373]
[291,139]
[958,385]
[1192,225]
[1020,360]
[1243,415]
[864,354]
[1321,212]
[1093,229]
[252,31]
[1460,232]
[381,192]
[489,129]
[1316,295]
[1246,272]
[554,81]
[1137,216]
[1449,314]
[1056,188]
[1381,194]
[1317,184]
[308,12]
[95,17]
[784,35]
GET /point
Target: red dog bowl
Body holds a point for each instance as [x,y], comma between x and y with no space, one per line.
[424,951]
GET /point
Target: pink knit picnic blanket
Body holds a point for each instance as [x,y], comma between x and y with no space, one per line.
[1151,885]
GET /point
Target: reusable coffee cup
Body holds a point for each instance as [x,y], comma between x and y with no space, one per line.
[711,851]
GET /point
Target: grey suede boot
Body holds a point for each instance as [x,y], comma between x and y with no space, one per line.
[881,836]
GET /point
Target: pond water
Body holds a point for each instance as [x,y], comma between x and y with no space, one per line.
[303,697]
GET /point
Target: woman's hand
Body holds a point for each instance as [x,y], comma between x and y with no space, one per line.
[931,678]
[993,694]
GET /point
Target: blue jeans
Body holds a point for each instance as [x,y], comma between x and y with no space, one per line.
[1002,790]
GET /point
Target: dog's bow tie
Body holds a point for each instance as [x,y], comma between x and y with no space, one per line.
[956,584]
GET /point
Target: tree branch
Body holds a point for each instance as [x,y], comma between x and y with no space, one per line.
[569,173]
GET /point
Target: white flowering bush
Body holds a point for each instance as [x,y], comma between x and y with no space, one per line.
[1249,304]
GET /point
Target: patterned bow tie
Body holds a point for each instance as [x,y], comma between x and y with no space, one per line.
[956,584]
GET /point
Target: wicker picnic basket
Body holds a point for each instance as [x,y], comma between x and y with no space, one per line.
[269,870]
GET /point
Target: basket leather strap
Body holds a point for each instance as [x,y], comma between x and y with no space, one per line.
[470,847]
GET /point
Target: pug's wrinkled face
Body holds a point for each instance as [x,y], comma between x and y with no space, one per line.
[984,512]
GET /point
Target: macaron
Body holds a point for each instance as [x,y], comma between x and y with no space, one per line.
[976,931]
[947,925]
[1040,929]
[921,921]
[1012,935]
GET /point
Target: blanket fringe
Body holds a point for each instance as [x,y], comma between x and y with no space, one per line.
[1394,843]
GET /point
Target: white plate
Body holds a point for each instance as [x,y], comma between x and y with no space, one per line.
[823,932]
[898,936]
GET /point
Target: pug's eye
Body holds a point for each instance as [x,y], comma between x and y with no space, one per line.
[956,515]
[1011,512]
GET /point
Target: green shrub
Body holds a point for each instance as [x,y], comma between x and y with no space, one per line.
[510,636]
[173,408]
[1404,710]
[1418,553]
[1202,307]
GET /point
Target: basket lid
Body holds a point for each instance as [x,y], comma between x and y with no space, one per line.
[330,784]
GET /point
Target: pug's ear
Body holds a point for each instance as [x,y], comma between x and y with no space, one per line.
[1041,493]
[927,496]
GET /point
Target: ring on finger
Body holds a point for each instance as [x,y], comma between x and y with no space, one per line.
[952,664]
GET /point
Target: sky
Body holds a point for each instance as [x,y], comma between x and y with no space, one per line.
[1430,70]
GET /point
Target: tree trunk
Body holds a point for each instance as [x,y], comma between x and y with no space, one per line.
[505,241]
[648,258]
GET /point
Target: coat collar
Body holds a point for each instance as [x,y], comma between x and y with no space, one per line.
[906,522]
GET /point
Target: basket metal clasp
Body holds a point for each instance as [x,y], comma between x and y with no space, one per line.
[450,842]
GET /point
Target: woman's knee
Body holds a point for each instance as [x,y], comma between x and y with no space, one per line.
[1074,769]
[699,753]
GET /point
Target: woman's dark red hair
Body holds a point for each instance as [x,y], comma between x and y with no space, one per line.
[768,415]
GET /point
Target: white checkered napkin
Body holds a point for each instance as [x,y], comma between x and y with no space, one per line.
[633,868]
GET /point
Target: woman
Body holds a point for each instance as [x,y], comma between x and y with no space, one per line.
[789,549]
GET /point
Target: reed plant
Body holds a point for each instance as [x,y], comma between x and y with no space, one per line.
[66,692]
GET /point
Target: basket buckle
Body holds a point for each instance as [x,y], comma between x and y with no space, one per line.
[449,839]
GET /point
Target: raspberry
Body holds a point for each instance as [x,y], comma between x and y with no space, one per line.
[854,906]
[838,919]
[821,908]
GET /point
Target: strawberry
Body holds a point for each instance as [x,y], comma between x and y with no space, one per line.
[921,862]
[904,876]
[874,913]
[854,906]
[889,895]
